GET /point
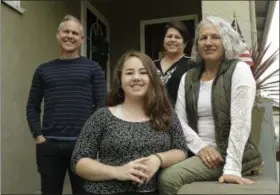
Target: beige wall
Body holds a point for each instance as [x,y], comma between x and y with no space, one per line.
[225,9]
[28,39]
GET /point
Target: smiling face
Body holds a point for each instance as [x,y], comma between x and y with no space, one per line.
[134,78]
[209,44]
[70,36]
[173,42]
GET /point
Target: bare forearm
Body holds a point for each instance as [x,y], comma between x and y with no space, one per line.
[172,157]
[95,171]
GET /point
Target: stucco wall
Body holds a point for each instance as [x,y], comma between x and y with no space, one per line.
[225,9]
[28,39]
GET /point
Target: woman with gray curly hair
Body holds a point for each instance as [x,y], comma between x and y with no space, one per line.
[214,106]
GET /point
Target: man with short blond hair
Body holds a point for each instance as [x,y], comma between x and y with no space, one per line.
[72,87]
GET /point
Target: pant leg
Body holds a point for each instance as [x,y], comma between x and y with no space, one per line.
[185,172]
[51,167]
[76,181]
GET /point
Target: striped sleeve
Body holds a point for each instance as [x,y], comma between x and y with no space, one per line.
[33,108]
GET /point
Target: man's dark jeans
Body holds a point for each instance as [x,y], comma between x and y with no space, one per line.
[53,160]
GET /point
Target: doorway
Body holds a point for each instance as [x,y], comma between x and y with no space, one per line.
[97,33]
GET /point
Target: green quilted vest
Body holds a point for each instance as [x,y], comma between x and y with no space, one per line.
[221,98]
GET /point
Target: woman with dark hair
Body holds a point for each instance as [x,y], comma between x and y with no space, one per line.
[135,136]
[174,62]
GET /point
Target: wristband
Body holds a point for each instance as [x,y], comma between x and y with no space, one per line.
[159,157]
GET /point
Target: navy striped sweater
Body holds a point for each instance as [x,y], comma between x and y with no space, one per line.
[71,89]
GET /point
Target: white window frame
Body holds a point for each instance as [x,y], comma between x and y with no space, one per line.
[15,5]
[87,5]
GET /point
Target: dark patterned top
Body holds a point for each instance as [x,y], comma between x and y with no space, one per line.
[119,142]
[172,77]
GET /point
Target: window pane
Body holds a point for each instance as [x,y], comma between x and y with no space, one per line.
[13,3]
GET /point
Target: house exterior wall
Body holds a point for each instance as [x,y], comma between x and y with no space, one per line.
[28,39]
[225,9]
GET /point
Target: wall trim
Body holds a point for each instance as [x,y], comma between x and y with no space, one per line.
[268,20]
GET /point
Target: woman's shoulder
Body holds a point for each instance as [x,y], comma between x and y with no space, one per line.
[186,63]
[243,75]
[184,59]
[242,69]
[242,66]
[99,117]
[101,112]
[157,62]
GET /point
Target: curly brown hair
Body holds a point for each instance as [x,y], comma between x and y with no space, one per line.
[156,103]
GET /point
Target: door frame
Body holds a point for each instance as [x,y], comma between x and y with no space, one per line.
[143,23]
[87,5]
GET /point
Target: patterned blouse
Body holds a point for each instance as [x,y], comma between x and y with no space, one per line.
[118,142]
[172,77]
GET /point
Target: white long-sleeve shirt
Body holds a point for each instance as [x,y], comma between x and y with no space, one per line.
[243,90]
